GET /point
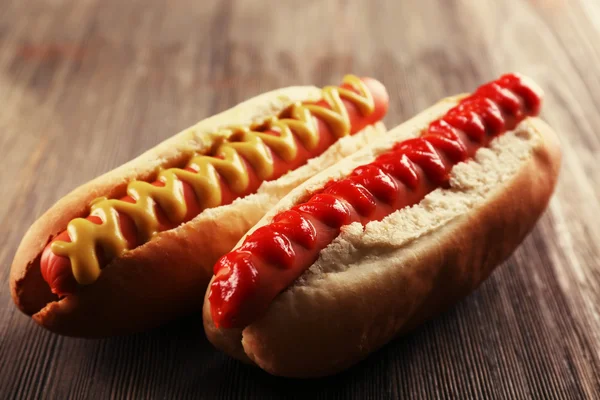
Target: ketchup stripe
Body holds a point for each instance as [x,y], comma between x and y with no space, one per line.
[396,179]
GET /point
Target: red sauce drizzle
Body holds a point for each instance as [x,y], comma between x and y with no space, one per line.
[272,257]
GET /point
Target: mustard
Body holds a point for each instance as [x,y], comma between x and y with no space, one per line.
[243,143]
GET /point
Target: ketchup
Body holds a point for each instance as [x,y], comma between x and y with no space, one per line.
[271,258]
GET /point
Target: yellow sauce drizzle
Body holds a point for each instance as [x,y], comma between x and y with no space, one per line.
[243,143]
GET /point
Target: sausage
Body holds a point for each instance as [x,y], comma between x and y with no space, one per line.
[273,256]
[57,270]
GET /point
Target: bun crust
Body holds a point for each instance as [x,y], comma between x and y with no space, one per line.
[135,292]
[375,282]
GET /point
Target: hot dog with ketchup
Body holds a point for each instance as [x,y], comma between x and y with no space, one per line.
[389,236]
[132,248]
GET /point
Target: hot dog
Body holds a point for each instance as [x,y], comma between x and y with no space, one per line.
[132,248]
[388,237]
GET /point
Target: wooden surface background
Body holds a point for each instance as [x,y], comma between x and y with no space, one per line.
[86,85]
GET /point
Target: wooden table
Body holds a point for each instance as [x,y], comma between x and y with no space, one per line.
[86,85]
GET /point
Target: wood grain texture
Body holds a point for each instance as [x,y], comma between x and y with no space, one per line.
[86,85]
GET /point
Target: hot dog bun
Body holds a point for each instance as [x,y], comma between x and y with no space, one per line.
[375,282]
[134,292]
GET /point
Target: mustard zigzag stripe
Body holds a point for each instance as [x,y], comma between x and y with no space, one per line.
[228,161]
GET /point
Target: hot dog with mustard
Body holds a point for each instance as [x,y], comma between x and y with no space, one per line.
[132,248]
